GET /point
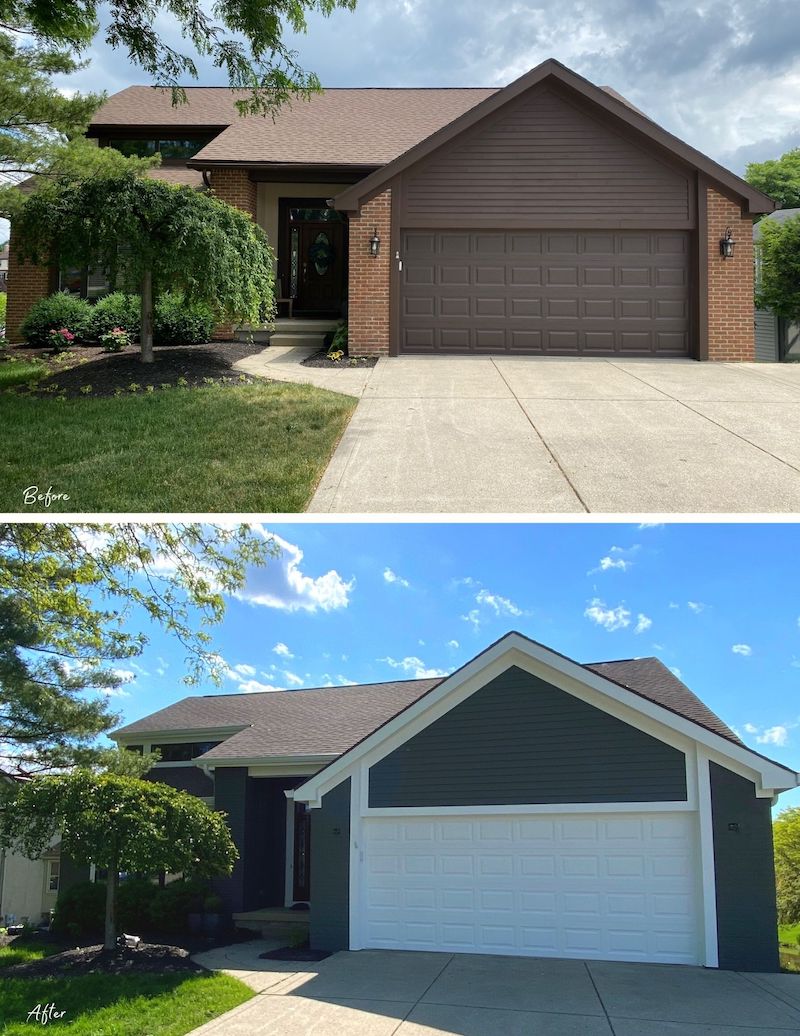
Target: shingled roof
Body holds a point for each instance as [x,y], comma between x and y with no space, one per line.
[327,721]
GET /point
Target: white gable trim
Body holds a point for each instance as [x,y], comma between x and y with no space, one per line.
[516,650]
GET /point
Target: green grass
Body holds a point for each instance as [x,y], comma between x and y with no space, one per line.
[20,372]
[789,935]
[20,951]
[246,448]
[120,1005]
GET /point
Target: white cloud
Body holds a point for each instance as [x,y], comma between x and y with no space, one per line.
[413,665]
[392,577]
[643,623]
[751,728]
[673,606]
[611,619]
[255,687]
[293,678]
[742,649]
[473,618]
[674,669]
[777,735]
[115,692]
[607,563]
[695,606]
[345,681]
[243,670]
[281,583]
[453,644]
[282,650]
[500,605]
[651,525]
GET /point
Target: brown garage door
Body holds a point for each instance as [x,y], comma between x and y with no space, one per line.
[554,292]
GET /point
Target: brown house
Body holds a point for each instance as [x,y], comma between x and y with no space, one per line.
[549,217]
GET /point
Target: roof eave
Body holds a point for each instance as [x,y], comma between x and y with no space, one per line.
[755,202]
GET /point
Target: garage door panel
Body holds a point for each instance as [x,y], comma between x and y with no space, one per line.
[565,293]
[609,887]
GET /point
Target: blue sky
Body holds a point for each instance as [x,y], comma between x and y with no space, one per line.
[720,603]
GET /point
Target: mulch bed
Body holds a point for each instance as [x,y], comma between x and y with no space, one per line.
[301,953]
[321,359]
[93,960]
[109,374]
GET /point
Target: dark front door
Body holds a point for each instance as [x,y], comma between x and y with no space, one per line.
[313,264]
[301,890]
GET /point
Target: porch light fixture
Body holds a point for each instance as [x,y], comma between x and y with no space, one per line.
[727,245]
[374,244]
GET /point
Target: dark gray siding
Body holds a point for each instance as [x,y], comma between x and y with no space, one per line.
[766,336]
[184,778]
[543,160]
[330,870]
[745,874]
[521,740]
[230,796]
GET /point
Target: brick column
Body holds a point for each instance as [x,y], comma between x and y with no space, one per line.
[235,187]
[731,309]
[26,284]
[368,319]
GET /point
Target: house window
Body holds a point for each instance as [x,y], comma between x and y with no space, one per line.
[88,284]
[182,753]
[138,749]
[167,147]
[53,874]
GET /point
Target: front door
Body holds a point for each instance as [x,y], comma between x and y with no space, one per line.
[301,886]
[314,273]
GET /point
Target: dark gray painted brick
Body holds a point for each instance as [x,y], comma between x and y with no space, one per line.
[520,740]
[745,872]
[330,870]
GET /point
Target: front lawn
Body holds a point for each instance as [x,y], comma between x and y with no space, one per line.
[789,946]
[16,371]
[258,447]
[120,1005]
[22,950]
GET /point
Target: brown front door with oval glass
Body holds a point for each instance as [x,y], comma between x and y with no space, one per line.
[301,885]
[313,269]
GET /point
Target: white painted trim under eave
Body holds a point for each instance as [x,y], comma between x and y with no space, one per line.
[181,736]
[533,809]
[515,649]
[288,877]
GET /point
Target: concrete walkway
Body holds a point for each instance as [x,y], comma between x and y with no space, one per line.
[393,993]
[530,435]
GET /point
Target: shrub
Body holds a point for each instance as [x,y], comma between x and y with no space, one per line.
[115,340]
[3,300]
[80,909]
[170,908]
[176,322]
[135,897]
[53,313]
[116,310]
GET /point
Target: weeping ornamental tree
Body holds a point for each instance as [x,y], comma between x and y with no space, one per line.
[119,823]
[151,236]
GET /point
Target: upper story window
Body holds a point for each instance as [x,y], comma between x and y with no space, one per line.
[167,147]
[183,753]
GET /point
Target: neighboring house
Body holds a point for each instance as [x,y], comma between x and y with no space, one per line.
[548,217]
[524,805]
[28,888]
[776,338]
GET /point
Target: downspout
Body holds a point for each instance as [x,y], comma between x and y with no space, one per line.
[206,179]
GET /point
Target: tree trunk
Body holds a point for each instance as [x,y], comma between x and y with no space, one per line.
[112,881]
[146,335]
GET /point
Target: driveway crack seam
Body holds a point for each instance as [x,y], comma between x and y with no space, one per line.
[722,427]
[541,439]
[418,1001]
[600,999]
[770,992]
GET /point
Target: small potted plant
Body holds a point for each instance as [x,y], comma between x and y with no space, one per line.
[115,340]
[61,339]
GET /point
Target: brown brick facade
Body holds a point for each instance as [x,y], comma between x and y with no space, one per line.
[368,317]
[235,187]
[731,311]
[26,285]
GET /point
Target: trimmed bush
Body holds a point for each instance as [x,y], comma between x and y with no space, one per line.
[170,908]
[57,311]
[116,310]
[135,897]
[80,909]
[3,300]
[176,322]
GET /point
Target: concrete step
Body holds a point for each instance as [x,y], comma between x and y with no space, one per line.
[293,339]
[274,922]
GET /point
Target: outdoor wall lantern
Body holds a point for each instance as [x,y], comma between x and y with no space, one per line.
[727,245]
[374,244]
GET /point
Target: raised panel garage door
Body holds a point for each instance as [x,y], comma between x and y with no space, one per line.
[608,887]
[561,293]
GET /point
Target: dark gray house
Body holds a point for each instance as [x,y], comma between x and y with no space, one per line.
[525,805]
[777,339]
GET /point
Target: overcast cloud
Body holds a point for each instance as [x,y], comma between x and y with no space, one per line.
[722,74]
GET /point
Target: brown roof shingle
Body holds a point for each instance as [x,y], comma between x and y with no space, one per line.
[342,126]
[330,720]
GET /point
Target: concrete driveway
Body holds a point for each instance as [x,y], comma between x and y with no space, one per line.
[393,993]
[531,435]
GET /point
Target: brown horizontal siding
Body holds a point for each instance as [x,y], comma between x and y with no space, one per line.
[545,159]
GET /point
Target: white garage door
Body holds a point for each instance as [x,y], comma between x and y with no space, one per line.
[610,887]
